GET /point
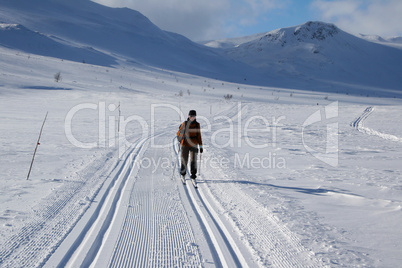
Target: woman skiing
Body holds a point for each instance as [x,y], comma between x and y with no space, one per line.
[189,136]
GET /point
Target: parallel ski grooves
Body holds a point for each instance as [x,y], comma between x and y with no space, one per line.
[106,223]
[222,251]
[358,123]
[156,231]
[84,246]
[279,246]
[49,226]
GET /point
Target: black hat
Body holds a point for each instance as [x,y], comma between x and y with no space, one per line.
[192,112]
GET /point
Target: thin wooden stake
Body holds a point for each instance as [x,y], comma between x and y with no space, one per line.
[37,144]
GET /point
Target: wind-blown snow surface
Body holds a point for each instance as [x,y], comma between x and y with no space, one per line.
[274,203]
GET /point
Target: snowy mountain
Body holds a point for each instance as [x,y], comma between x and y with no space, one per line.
[232,42]
[85,31]
[323,53]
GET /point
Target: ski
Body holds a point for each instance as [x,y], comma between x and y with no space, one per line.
[194,183]
[183,180]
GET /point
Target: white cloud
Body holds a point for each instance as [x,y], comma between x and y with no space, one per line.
[251,12]
[380,17]
[200,20]
[259,6]
[194,19]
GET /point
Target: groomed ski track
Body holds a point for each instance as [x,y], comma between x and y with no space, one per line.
[224,249]
[145,217]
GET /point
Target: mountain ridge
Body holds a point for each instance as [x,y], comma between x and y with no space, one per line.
[321,52]
[236,41]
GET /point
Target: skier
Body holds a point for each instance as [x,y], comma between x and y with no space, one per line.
[189,136]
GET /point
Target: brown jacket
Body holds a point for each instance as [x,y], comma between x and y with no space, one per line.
[192,135]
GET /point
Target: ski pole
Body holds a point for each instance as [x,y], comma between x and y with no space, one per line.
[199,169]
[179,145]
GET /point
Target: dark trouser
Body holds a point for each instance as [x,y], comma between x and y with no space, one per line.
[185,152]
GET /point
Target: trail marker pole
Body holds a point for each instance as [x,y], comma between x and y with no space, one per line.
[36,147]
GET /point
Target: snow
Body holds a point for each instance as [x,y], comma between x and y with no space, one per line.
[105,192]
[322,55]
[98,30]
[231,42]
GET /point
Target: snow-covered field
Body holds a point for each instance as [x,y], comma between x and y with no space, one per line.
[288,178]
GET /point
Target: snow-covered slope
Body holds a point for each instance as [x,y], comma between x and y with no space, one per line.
[104,190]
[85,26]
[232,42]
[105,197]
[395,41]
[16,36]
[323,54]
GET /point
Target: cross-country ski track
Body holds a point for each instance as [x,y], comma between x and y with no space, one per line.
[358,124]
[143,216]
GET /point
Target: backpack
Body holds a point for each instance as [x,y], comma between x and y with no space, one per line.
[181,133]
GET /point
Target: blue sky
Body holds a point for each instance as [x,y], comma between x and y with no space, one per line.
[217,19]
